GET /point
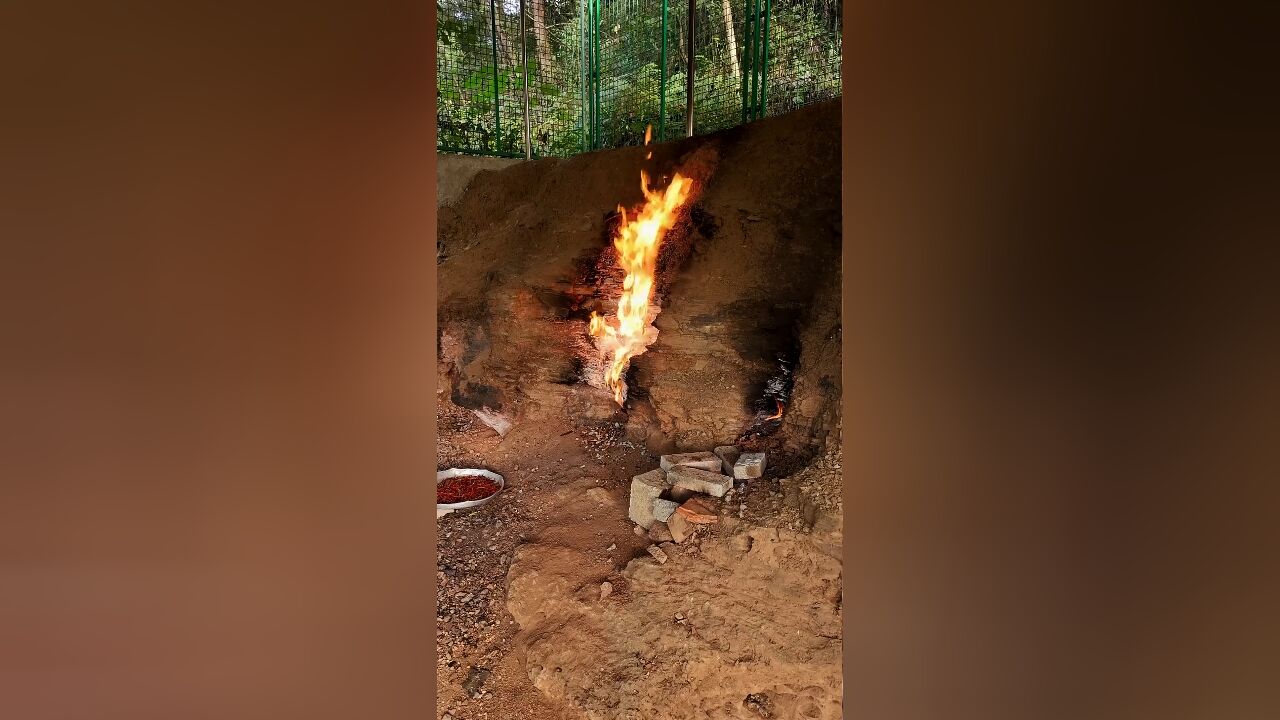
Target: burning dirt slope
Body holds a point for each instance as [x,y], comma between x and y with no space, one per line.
[757,261]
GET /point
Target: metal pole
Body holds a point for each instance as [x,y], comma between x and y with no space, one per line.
[583,49]
[595,77]
[755,57]
[764,60]
[524,61]
[497,114]
[748,62]
[662,89]
[688,80]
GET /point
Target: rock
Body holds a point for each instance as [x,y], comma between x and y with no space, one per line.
[702,481]
[657,554]
[644,490]
[660,532]
[700,460]
[728,455]
[606,589]
[612,547]
[695,512]
[680,527]
[475,679]
[638,530]
[662,509]
[495,420]
[749,466]
[600,495]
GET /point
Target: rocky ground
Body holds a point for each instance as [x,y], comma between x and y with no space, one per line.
[741,622]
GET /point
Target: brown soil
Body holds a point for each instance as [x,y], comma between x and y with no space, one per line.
[740,622]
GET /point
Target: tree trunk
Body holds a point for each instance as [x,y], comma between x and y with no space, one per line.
[733,42]
[542,38]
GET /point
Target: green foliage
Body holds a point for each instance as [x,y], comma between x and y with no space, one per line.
[482,105]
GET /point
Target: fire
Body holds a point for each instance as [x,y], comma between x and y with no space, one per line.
[637,242]
[778,415]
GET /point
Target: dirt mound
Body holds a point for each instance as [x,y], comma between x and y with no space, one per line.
[745,626]
[750,280]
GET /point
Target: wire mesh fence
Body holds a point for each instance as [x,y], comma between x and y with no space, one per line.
[596,73]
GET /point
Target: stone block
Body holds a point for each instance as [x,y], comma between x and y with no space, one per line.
[645,489]
[728,455]
[703,481]
[749,466]
[662,509]
[657,554]
[680,527]
[700,460]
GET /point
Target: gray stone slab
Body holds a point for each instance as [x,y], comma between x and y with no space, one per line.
[749,466]
[700,460]
[709,483]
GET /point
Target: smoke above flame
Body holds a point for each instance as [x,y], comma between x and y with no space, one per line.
[638,241]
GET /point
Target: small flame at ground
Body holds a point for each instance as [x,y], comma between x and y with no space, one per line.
[778,415]
[637,242]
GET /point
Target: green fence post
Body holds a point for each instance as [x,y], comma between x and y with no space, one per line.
[662,89]
[746,56]
[755,57]
[764,60]
[497,115]
[596,75]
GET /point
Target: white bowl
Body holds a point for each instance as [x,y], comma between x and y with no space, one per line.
[446,508]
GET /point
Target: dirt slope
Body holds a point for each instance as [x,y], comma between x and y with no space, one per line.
[758,271]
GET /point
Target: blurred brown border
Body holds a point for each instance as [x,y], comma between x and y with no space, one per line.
[217,360]
[1062,367]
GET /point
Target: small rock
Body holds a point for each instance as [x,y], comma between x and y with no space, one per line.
[696,512]
[680,527]
[657,554]
[606,589]
[614,546]
[660,533]
[638,530]
[475,679]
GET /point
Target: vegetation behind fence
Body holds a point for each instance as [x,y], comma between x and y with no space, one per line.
[598,72]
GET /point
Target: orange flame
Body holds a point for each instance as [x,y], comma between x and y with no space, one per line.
[778,415]
[648,133]
[637,243]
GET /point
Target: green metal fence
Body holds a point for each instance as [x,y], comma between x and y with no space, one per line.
[595,73]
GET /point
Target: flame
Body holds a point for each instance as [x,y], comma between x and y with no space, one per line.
[778,415]
[648,135]
[637,243]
